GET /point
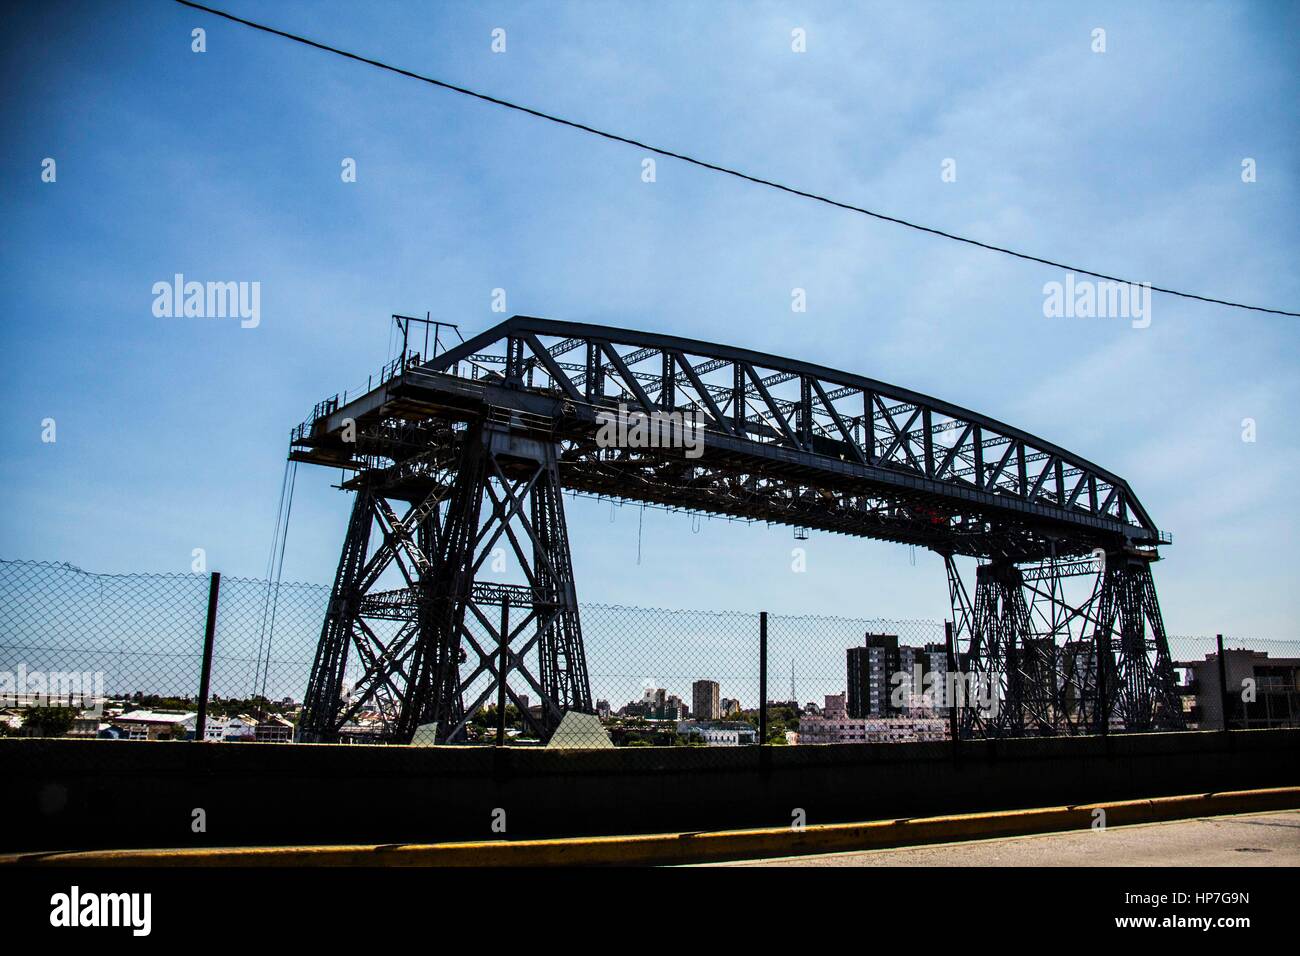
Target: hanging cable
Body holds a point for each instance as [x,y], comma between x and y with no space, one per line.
[640,522]
[266,576]
[582,127]
[279,573]
[274,569]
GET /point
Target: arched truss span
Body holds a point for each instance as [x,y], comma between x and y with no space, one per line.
[784,441]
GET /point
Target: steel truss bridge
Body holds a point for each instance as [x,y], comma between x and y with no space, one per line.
[452,455]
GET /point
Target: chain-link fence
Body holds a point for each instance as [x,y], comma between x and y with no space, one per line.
[121,656]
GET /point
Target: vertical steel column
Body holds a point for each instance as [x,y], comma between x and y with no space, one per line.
[738,399]
[1104,666]
[519,472]
[1138,677]
[805,423]
[564,662]
[433,685]
[949,688]
[321,703]
[1002,653]
[501,670]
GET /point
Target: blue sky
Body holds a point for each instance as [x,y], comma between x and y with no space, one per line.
[225,166]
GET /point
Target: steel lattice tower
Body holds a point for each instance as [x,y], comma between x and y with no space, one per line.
[1117,673]
[504,487]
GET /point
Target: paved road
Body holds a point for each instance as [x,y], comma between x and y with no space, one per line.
[1257,839]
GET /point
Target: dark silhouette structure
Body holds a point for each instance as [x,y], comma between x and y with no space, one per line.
[475,443]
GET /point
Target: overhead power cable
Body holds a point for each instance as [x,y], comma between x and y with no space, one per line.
[704,164]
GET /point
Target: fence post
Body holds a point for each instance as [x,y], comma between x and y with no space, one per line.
[205,674]
[762,678]
[501,671]
[1102,654]
[1223,681]
[950,694]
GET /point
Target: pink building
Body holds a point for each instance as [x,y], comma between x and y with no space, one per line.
[834,726]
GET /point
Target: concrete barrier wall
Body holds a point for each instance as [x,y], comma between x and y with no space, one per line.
[66,794]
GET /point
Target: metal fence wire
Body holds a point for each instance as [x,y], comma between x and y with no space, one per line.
[121,655]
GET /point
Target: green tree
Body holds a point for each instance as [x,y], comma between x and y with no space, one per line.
[49,721]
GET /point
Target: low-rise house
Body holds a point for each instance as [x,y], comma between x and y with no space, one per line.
[156,725]
[366,728]
[1263,691]
[241,727]
[719,733]
[274,729]
[85,724]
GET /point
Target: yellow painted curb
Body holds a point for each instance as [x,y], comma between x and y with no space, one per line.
[676,848]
